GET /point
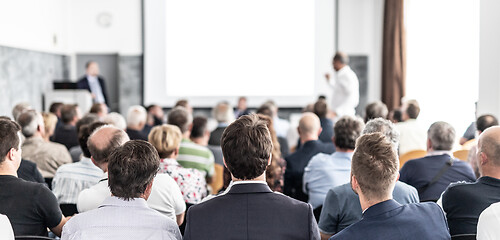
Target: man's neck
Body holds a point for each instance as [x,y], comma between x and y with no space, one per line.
[345,150]
[366,203]
[307,138]
[493,172]
[259,178]
[136,128]
[7,170]
[200,141]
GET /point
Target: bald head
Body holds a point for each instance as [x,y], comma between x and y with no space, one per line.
[309,127]
[104,140]
[489,147]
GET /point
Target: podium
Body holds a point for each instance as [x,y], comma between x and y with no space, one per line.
[81,97]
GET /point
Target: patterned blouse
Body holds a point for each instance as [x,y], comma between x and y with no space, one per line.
[191,181]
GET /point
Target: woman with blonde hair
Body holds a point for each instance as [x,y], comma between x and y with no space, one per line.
[50,122]
[167,140]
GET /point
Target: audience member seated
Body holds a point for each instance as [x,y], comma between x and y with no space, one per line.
[136,120]
[250,207]
[126,215]
[276,170]
[191,155]
[267,109]
[200,135]
[396,116]
[48,156]
[376,109]
[71,179]
[375,167]
[66,133]
[55,108]
[156,117]
[224,115]
[412,135]
[242,108]
[165,193]
[31,207]
[489,220]
[464,202]
[50,122]
[326,171]
[431,174]
[18,109]
[99,109]
[167,139]
[184,103]
[281,125]
[483,122]
[27,169]
[469,134]
[76,151]
[309,128]
[342,207]
[6,231]
[321,110]
[116,120]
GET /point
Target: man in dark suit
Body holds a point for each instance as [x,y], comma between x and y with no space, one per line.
[93,83]
[309,129]
[374,173]
[250,210]
[432,174]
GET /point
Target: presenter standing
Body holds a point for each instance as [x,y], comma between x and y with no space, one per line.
[345,86]
[93,83]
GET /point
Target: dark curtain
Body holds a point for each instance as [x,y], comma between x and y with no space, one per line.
[393,54]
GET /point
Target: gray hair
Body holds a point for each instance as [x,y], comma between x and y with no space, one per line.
[136,115]
[29,121]
[385,127]
[441,135]
[116,120]
[18,109]
[223,113]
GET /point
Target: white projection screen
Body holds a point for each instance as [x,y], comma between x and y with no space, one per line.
[207,51]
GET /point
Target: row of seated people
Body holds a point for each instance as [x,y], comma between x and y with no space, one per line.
[343,125]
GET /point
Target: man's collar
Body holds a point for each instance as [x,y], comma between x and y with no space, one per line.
[380,208]
[439,152]
[116,201]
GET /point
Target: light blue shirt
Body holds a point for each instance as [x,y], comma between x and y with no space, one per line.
[95,88]
[324,172]
[119,219]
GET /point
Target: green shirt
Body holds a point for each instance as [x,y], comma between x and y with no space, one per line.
[192,155]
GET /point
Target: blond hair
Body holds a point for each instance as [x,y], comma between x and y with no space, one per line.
[166,139]
[50,121]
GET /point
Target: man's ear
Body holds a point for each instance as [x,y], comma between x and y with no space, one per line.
[354,184]
[429,144]
[269,161]
[190,127]
[319,131]
[483,159]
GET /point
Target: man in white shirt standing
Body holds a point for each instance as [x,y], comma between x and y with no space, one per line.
[93,83]
[345,86]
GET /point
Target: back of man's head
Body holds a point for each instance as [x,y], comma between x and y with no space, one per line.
[9,137]
[309,125]
[246,146]
[199,127]
[104,140]
[69,112]
[375,110]
[55,108]
[180,117]
[375,165]
[412,109]
[30,121]
[265,109]
[132,168]
[136,116]
[19,108]
[347,129]
[489,144]
[320,108]
[87,119]
[84,134]
[223,112]
[485,121]
[116,120]
[99,108]
[385,127]
[441,135]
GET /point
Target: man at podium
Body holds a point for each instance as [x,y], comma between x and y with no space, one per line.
[93,83]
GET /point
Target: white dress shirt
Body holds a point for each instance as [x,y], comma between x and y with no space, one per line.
[6,231]
[412,136]
[166,197]
[96,89]
[120,219]
[489,220]
[345,92]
